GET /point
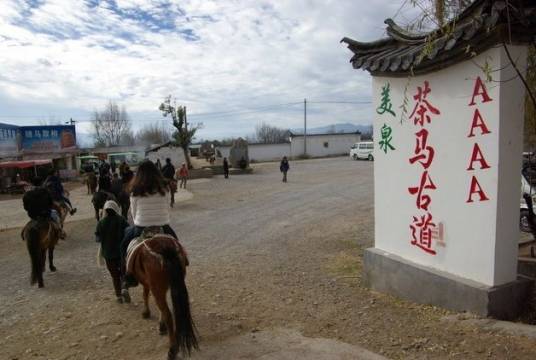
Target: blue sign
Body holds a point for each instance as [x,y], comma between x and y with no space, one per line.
[8,139]
[47,138]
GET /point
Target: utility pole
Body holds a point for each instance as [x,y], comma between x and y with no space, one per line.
[304,127]
[71,122]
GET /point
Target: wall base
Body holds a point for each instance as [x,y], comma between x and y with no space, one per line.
[391,274]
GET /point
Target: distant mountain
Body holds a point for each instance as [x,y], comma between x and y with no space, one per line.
[335,128]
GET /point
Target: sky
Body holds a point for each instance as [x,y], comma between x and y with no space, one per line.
[234,64]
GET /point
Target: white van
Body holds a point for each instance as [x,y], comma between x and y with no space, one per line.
[362,150]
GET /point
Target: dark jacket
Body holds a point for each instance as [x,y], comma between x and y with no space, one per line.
[168,171]
[225,165]
[284,167]
[54,186]
[37,203]
[105,182]
[110,232]
[116,187]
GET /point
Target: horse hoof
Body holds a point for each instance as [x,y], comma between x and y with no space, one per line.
[53,268]
[162,329]
[172,353]
[126,296]
[146,314]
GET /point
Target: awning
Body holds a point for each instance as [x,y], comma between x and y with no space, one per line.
[24,164]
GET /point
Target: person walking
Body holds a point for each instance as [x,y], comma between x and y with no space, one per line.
[183,176]
[284,167]
[109,233]
[226,168]
[168,171]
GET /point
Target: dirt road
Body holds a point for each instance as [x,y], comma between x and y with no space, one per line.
[266,258]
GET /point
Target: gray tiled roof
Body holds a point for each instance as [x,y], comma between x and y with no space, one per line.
[482,25]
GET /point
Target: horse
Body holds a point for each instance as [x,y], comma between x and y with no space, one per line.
[40,236]
[98,200]
[91,181]
[158,262]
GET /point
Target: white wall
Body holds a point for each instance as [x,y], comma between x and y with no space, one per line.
[176,154]
[479,239]
[337,144]
[268,152]
[225,151]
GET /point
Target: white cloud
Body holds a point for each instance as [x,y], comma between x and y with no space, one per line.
[68,54]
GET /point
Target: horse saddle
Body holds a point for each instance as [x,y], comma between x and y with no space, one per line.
[142,241]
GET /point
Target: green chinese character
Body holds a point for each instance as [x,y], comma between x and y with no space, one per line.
[386,104]
[385,142]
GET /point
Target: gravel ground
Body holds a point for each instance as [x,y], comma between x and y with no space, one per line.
[264,255]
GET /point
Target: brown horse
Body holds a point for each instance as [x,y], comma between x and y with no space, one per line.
[91,181]
[159,263]
[40,236]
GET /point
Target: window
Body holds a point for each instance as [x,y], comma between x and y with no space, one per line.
[326,144]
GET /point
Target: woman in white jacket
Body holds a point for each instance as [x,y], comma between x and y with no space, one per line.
[149,205]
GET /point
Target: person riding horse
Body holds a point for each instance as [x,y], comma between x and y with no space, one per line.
[43,231]
[54,185]
[103,194]
[149,205]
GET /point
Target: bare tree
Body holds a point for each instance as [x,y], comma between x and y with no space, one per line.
[268,134]
[530,107]
[111,126]
[155,133]
[184,135]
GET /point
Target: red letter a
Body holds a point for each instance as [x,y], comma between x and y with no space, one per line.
[476,189]
[478,156]
[478,121]
[480,89]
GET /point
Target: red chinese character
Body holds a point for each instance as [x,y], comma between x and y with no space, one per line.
[421,232]
[423,154]
[423,200]
[423,106]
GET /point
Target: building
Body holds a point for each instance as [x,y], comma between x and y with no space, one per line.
[56,143]
[318,145]
[165,151]
[448,141]
[323,145]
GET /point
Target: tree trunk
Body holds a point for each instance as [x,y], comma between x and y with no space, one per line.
[440,12]
[187,157]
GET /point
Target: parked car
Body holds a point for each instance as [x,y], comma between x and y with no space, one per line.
[362,150]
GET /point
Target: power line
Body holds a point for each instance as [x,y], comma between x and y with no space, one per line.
[216,114]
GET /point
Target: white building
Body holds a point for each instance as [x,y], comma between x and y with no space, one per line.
[318,145]
[164,151]
[323,145]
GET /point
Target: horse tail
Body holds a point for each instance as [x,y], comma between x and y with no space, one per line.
[31,235]
[185,331]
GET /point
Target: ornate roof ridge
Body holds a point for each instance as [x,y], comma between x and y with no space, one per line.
[481,25]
